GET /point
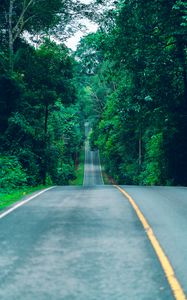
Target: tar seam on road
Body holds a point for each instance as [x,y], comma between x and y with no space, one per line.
[165,263]
[7,212]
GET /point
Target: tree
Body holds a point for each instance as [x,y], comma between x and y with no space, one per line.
[36,17]
[43,78]
[27,15]
[144,53]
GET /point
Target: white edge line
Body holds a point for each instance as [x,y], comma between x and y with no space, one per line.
[7,212]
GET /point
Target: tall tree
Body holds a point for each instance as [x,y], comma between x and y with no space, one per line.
[144,47]
[37,17]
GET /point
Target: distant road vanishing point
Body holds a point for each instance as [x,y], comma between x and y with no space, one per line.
[87,243]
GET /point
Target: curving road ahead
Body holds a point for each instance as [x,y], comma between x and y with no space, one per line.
[86,243]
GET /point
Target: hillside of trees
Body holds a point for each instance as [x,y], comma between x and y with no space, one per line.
[129,79]
[135,70]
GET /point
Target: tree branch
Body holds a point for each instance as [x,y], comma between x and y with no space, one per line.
[21,17]
[21,27]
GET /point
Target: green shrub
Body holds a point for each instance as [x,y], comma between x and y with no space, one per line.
[155,164]
[64,174]
[93,139]
[12,175]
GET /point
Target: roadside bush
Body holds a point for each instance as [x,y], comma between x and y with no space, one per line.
[93,139]
[155,165]
[64,174]
[12,175]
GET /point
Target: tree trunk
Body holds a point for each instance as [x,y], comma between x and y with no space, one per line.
[46,118]
[10,34]
[182,58]
[44,175]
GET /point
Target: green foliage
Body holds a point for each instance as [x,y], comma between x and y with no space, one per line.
[93,139]
[8,197]
[41,124]
[12,175]
[129,79]
[10,98]
[65,173]
[154,173]
[41,119]
[136,71]
[79,169]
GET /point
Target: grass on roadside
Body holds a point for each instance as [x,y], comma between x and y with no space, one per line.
[107,179]
[80,170]
[7,199]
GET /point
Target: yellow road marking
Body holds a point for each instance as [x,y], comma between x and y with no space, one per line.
[166,265]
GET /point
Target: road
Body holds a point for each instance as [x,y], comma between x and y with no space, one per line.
[86,243]
[166,210]
[92,168]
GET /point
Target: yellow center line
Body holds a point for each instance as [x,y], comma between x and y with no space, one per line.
[166,265]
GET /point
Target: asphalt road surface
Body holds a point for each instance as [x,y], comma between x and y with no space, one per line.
[165,208]
[92,168]
[86,243]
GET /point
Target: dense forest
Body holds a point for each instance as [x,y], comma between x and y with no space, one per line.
[129,79]
[135,72]
[41,121]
